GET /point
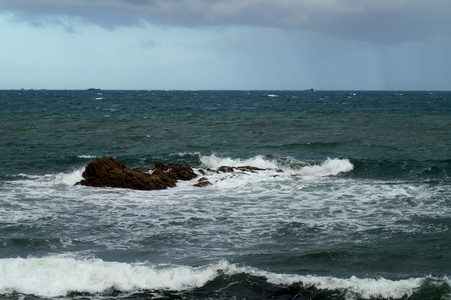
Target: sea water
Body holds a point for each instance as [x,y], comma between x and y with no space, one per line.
[353,202]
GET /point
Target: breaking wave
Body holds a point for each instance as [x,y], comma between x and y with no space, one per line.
[329,167]
[55,277]
[214,161]
[60,276]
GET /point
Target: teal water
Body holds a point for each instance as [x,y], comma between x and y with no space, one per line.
[361,211]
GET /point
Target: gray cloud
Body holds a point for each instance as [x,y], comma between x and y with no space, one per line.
[382,21]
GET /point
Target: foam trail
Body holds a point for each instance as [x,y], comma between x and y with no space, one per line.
[366,288]
[352,288]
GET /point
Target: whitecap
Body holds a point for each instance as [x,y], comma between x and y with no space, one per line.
[57,276]
[366,288]
[353,287]
[70,178]
[87,156]
[66,178]
[331,167]
[259,161]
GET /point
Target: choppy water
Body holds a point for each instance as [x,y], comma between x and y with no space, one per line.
[361,210]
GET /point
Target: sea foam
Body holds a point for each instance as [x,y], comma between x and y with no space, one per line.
[214,161]
[351,288]
[72,177]
[55,277]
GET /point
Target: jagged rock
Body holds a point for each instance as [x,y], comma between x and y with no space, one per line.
[249,168]
[109,172]
[202,182]
[225,169]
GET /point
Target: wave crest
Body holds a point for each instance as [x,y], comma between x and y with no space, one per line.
[329,167]
[59,276]
[259,161]
[56,277]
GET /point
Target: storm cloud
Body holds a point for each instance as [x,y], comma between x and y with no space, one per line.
[226,44]
[381,21]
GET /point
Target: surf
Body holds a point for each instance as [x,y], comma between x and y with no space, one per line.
[290,165]
[58,276]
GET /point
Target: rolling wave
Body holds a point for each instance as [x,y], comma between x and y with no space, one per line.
[59,277]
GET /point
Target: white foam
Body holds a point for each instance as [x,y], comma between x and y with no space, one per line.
[55,276]
[87,156]
[331,167]
[70,178]
[214,161]
[245,180]
[29,176]
[366,288]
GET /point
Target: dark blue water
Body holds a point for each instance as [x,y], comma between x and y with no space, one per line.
[361,210]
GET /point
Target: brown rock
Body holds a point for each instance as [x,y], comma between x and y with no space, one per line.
[249,168]
[109,172]
[225,169]
[202,182]
[182,172]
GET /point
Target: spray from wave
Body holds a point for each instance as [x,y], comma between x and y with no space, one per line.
[329,167]
[70,178]
[215,161]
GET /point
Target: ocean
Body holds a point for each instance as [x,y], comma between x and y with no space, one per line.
[361,209]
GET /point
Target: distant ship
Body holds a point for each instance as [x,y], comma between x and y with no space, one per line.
[93,89]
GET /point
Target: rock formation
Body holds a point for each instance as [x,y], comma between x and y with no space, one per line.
[202,182]
[109,172]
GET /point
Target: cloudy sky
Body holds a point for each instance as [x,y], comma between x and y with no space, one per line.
[226,44]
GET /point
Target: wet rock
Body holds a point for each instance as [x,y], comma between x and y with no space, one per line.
[109,172]
[202,182]
[225,169]
[250,169]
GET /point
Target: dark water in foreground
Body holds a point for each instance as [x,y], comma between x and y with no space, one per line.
[361,211]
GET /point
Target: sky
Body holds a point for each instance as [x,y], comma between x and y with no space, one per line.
[226,44]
